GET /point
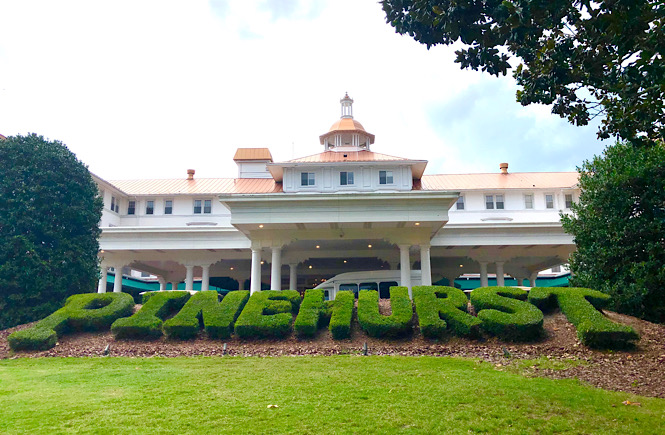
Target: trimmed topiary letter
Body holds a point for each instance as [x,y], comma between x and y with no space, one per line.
[268,314]
[312,314]
[504,313]
[84,312]
[147,322]
[341,313]
[378,325]
[204,308]
[580,306]
[440,308]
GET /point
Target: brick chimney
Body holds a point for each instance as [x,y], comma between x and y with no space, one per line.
[190,174]
[503,167]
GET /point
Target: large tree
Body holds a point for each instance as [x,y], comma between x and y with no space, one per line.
[619,228]
[586,58]
[49,227]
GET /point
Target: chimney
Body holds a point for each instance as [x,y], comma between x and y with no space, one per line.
[503,167]
[190,174]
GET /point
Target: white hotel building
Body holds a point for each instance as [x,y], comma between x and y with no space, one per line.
[293,224]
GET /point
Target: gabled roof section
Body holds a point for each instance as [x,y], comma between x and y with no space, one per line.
[276,169]
[514,180]
[199,186]
[245,154]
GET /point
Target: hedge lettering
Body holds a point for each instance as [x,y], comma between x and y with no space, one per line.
[440,308]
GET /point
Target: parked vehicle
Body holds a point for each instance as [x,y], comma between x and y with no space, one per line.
[379,280]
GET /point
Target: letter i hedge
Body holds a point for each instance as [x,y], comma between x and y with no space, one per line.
[147,322]
[442,308]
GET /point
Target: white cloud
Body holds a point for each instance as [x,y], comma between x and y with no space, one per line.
[149,89]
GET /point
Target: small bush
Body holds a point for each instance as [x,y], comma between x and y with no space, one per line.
[341,314]
[83,312]
[268,314]
[147,322]
[377,325]
[580,306]
[312,314]
[440,308]
[504,313]
[204,309]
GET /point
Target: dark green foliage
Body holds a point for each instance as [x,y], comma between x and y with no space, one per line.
[268,314]
[619,229]
[85,312]
[341,314]
[439,308]
[584,58]
[204,309]
[147,322]
[312,314]
[504,313]
[49,217]
[378,325]
[581,305]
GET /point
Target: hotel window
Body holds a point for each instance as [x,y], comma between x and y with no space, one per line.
[131,207]
[345,178]
[168,206]
[207,206]
[197,206]
[549,200]
[569,199]
[528,201]
[114,204]
[150,207]
[460,203]
[307,179]
[385,177]
[494,201]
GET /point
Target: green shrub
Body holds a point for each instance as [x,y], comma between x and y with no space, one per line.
[504,313]
[341,313]
[377,325]
[313,313]
[204,309]
[268,314]
[440,308]
[580,306]
[147,322]
[83,312]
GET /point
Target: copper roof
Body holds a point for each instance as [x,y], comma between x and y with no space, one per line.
[2,137]
[347,124]
[199,186]
[347,156]
[516,180]
[253,154]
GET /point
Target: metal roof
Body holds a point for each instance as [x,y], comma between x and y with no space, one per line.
[199,186]
[516,180]
[253,154]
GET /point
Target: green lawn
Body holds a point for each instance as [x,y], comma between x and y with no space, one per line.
[342,394]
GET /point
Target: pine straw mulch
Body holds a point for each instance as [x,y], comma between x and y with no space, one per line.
[638,370]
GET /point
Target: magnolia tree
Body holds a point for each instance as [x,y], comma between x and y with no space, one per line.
[49,225]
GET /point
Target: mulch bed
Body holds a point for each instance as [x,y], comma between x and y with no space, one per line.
[639,370]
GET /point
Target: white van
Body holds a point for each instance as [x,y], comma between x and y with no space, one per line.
[379,280]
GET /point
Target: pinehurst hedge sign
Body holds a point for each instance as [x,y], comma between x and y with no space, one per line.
[510,313]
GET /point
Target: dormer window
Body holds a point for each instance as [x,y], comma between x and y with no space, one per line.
[346,178]
[307,179]
[385,177]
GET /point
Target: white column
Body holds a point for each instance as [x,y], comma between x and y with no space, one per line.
[189,278]
[174,285]
[205,277]
[162,283]
[293,276]
[405,267]
[241,282]
[532,279]
[483,274]
[276,269]
[520,282]
[255,279]
[451,281]
[117,281]
[101,287]
[425,265]
[499,274]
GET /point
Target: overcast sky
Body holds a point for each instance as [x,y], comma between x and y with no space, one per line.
[148,89]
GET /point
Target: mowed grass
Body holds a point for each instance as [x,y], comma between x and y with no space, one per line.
[341,394]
